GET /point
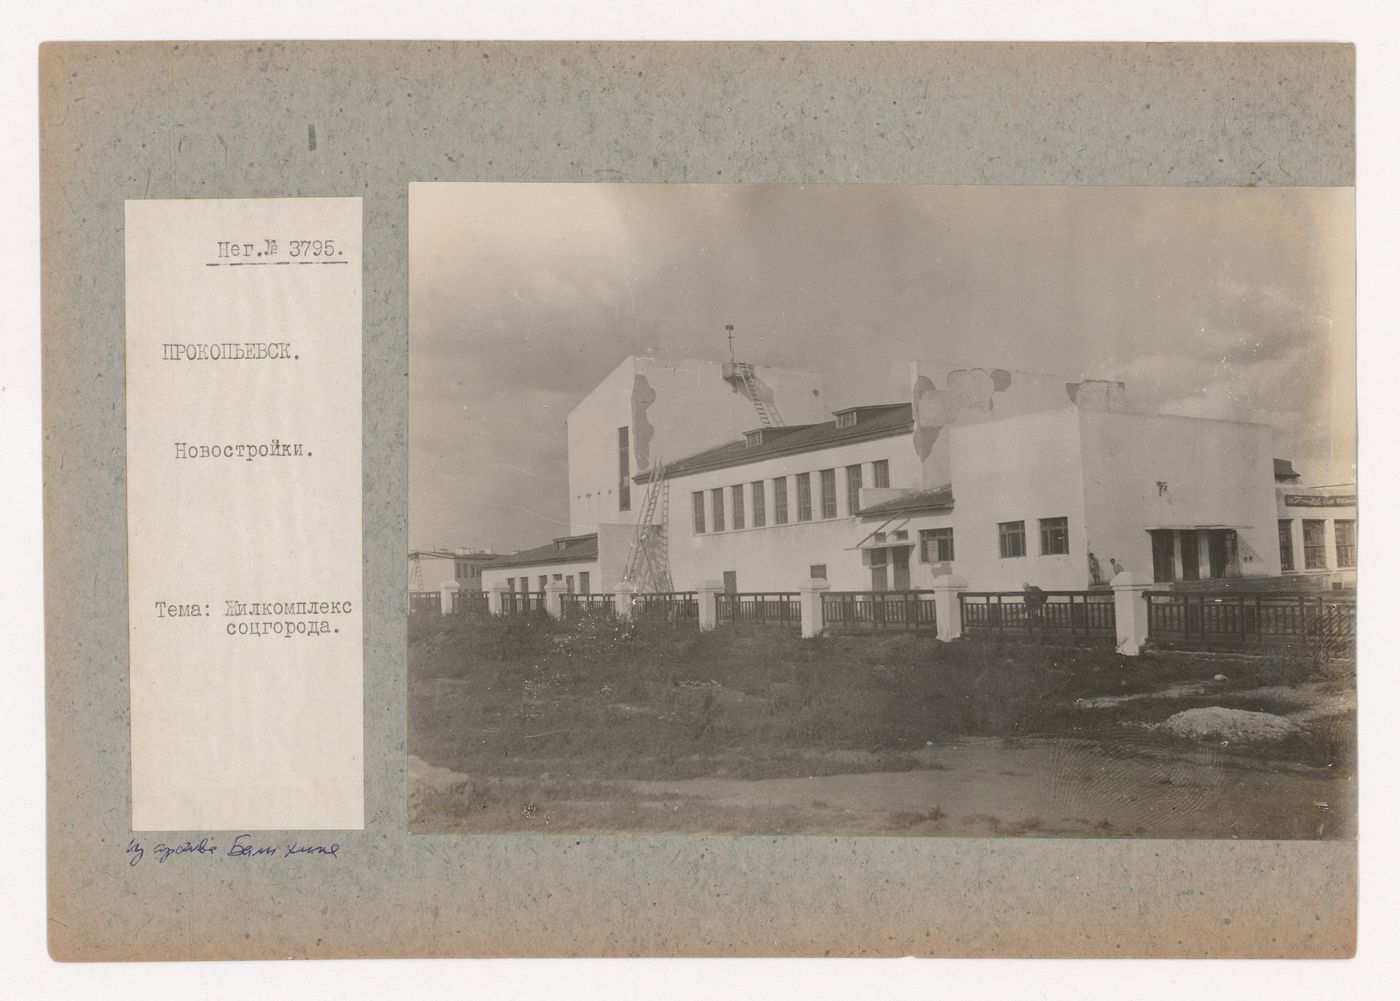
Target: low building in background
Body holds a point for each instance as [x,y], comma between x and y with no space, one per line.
[1316,530]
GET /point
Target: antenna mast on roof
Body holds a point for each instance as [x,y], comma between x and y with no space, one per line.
[740,375]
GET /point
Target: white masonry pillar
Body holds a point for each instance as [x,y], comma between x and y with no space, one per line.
[810,594]
[445,592]
[705,595]
[1130,612]
[622,601]
[554,593]
[496,599]
[947,608]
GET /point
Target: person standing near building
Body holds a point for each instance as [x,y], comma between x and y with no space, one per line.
[1095,571]
[1117,567]
[1034,600]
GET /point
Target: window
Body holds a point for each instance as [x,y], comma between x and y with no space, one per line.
[846,419]
[697,505]
[1285,545]
[759,514]
[624,471]
[737,493]
[817,571]
[882,473]
[1054,536]
[936,545]
[731,582]
[510,584]
[853,485]
[1013,538]
[828,493]
[583,582]
[461,569]
[1314,544]
[1346,543]
[569,583]
[717,502]
[780,504]
[559,577]
[544,581]
[804,496]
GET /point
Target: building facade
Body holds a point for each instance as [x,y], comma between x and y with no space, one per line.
[996,476]
[432,569]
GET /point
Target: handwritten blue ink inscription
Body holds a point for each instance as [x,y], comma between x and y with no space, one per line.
[243,846]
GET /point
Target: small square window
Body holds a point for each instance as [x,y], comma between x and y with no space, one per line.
[1054,536]
[1012,537]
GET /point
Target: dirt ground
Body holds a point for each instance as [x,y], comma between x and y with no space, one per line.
[608,731]
[981,787]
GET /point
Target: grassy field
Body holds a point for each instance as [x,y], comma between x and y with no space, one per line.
[538,719]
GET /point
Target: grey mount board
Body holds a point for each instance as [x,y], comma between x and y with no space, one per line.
[263,119]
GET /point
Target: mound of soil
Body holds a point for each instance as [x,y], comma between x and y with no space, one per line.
[1239,725]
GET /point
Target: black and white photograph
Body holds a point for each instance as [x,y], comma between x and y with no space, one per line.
[876,509]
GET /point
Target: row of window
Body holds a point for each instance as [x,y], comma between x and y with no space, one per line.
[1315,543]
[1054,537]
[745,505]
[584,582]
[466,569]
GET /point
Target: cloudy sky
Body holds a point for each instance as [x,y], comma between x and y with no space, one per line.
[1235,303]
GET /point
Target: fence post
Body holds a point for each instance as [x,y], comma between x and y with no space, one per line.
[947,608]
[496,599]
[705,598]
[554,598]
[622,601]
[810,599]
[445,593]
[1130,613]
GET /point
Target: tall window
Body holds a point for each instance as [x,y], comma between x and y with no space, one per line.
[697,506]
[853,486]
[583,582]
[737,493]
[1346,543]
[1314,544]
[760,516]
[1285,545]
[804,496]
[1054,536]
[881,470]
[780,504]
[544,581]
[717,502]
[828,493]
[936,545]
[1012,535]
[624,469]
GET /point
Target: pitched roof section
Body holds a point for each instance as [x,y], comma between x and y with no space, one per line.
[937,499]
[570,549]
[883,422]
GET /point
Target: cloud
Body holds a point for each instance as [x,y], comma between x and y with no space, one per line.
[524,296]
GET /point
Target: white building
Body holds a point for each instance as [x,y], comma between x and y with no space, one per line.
[648,408]
[433,569]
[998,476]
[1316,530]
